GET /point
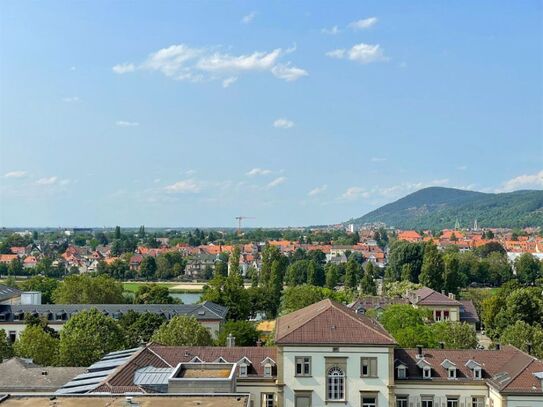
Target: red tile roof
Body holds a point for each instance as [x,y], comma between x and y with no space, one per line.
[427,296]
[327,322]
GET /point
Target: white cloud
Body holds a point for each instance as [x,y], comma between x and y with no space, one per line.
[363,24]
[70,99]
[249,17]
[276,182]
[462,167]
[354,193]
[229,81]
[377,159]
[288,73]
[318,190]
[124,68]
[47,181]
[124,123]
[190,172]
[15,174]
[258,171]
[283,123]
[525,181]
[362,53]
[331,31]
[182,62]
[189,186]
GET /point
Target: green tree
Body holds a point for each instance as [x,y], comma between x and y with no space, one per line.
[229,292]
[296,273]
[352,273]
[87,337]
[139,328]
[455,335]
[315,273]
[221,265]
[528,268]
[15,267]
[233,261]
[117,234]
[367,283]
[431,274]
[45,285]
[400,316]
[85,289]
[6,350]
[154,294]
[452,279]
[402,252]
[147,268]
[399,288]
[116,248]
[182,330]
[332,276]
[245,333]
[520,334]
[38,345]
[295,298]
[269,255]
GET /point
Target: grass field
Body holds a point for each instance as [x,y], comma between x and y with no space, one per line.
[173,287]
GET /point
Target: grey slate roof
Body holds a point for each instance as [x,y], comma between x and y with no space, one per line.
[8,292]
[206,311]
[18,375]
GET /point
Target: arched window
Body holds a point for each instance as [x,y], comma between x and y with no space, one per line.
[336,384]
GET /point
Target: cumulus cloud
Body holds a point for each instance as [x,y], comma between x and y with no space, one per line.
[249,17]
[363,24]
[182,62]
[15,174]
[124,68]
[47,180]
[331,31]
[318,190]
[124,123]
[283,123]
[288,73]
[188,186]
[525,181]
[362,53]
[258,171]
[276,182]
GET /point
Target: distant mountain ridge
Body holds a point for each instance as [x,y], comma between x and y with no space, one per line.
[439,207]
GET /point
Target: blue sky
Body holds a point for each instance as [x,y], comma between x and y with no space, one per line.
[295,113]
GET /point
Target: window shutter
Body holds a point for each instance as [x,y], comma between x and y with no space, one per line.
[373,367]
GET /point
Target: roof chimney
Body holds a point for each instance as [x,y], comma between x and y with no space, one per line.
[441,345]
[443,292]
[419,352]
[498,346]
[529,348]
[230,341]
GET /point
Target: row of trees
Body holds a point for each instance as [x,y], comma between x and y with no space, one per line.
[451,270]
[89,335]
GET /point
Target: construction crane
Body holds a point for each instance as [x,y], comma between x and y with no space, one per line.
[239,219]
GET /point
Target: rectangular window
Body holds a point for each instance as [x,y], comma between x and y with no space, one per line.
[267,371]
[402,372]
[438,316]
[303,366]
[302,400]
[267,400]
[477,402]
[368,367]
[446,315]
[369,400]
[243,370]
[427,373]
[427,402]
[452,373]
[477,373]
[452,401]
[402,401]
[12,336]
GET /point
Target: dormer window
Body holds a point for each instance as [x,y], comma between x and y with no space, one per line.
[402,372]
[196,359]
[451,368]
[476,368]
[427,372]
[451,373]
[243,370]
[477,373]
[267,370]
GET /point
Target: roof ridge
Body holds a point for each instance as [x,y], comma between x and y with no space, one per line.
[359,320]
[204,304]
[157,355]
[118,369]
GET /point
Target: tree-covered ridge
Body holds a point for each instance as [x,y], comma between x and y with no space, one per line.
[440,208]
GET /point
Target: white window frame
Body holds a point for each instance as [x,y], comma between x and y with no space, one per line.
[243,370]
[402,369]
[367,362]
[427,401]
[478,373]
[478,401]
[427,372]
[402,401]
[335,384]
[368,403]
[268,400]
[453,402]
[268,370]
[451,373]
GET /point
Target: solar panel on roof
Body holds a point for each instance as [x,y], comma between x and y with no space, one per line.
[76,390]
